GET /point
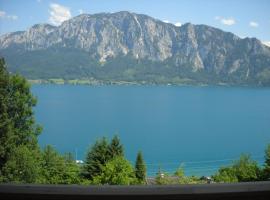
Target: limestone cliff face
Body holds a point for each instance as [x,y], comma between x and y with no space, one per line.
[107,36]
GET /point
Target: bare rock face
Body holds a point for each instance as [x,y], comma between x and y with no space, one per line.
[106,36]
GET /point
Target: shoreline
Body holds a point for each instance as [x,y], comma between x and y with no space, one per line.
[94,82]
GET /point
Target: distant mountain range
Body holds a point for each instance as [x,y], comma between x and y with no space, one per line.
[126,46]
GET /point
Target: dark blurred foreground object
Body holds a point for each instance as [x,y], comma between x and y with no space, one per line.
[248,190]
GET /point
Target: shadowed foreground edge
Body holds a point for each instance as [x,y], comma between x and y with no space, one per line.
[249,190]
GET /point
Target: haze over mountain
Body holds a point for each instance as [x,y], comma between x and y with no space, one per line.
[126,46]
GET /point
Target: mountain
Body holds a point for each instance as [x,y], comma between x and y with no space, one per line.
[125,46]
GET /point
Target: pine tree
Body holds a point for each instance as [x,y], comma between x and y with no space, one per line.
[140,168]
[97,157]
[115,148]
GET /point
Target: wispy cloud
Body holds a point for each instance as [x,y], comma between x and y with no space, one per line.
[13,17]
[3,15]
[178,24]
[253,24]
[226,21]
[166,21]
[58,14]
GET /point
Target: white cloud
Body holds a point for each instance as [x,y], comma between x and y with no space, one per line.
[58,14]
[166,21]
[226,21]
[178,24]
[253,24]
[81,11]
[3,15]
[267,43]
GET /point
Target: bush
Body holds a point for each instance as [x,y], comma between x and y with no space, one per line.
[118,171]
[243,170]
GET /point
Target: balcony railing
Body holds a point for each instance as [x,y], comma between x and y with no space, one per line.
[250,190]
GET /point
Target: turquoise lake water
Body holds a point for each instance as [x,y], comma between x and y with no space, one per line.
[199,128]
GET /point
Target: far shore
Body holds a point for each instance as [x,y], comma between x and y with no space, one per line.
[95,82]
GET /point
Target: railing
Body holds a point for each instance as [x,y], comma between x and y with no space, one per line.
[251,190]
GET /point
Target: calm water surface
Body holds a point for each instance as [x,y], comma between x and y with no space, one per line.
[199,128]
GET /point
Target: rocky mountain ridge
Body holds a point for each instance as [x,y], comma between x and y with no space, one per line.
[128,46]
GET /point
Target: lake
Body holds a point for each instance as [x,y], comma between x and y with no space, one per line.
[199,128]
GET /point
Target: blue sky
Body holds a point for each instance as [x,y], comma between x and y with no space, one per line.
[245,18]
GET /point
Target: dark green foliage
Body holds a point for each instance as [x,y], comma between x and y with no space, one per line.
[267,155]
[70,63]
[243,170]
[22,166]
[140,168]
[115,148]
[57,169]
[20,157]
[266,170]
[50,63]
[264,77]
[97,156]
[71,170]
[18,130]
[5,124]
[117,171]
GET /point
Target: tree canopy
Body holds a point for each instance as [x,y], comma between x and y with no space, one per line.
[117,171]
[242,170]
[97,157]
[140,168]
[99,154]
[59,169]
[21,159]
[18,130]
[115,148]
